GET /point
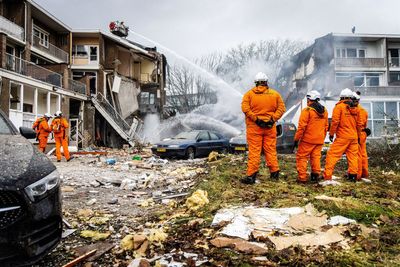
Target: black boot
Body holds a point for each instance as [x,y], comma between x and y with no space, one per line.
[275,175]
[314,177]
[352,177]
[249,179]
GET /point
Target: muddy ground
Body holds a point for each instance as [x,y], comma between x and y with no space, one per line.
[147,197]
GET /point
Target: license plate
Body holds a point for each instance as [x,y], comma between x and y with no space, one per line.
[240,148]
[161,150]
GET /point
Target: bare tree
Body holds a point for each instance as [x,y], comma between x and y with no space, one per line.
[187,91]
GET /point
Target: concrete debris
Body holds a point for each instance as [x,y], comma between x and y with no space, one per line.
[197,200]
[91,201]
[365,180]
[240,245]
[67,232]
[284,227]
[389,173]
[330,182]
[340,220]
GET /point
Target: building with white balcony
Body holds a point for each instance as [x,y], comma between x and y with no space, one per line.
[368,63]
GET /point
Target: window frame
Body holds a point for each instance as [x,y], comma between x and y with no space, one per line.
[43,35]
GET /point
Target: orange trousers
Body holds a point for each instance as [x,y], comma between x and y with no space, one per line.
[42,144]
[64,143]
[336,151]
[259,139]
[362,157]
[304,152]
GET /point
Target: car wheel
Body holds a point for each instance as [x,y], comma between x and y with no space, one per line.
[190,153]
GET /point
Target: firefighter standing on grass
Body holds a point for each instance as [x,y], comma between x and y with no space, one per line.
[59,126]
[42,128]
[262,107]
[346,126]
[312,128]
[362,146]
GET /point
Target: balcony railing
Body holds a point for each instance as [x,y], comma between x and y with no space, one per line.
[360,62]
[50,49]
[394,62]
[30,69]
[379,90]
[77,86]
[11,28]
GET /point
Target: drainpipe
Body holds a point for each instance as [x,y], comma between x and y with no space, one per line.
[25,22]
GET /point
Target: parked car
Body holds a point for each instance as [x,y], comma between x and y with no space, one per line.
[284,142]
[30,203]
[191,144]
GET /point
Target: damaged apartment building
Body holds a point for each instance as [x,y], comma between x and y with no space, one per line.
[368,63]
[103,84]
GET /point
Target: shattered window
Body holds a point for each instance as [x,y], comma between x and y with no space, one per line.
[378,111]
[4,129]
[391,111]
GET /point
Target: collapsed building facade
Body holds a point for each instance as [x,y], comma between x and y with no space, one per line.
[103,84]
[368,63]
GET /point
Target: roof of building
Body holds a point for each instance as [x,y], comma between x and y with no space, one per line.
[48,18]
[123,41]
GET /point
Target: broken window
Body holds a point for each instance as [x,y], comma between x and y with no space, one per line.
[93,53]
[15,96]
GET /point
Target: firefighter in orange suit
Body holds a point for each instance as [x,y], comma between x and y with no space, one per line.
[311,131]
[42,128]
[59,126]
[262,106]
[346,126]
[362,147]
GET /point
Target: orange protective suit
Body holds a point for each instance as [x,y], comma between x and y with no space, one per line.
[59,126]
[346,126]
[264,103]
[311,131]
[42,130]
[362,146]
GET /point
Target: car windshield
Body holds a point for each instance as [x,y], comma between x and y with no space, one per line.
[187,135]
[4,128]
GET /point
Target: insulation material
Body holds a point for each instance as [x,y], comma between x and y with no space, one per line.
[126,94]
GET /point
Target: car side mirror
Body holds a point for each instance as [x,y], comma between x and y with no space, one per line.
[28,133]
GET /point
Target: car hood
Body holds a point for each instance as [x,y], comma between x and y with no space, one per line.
[175,142]
[21,163]
[238,140]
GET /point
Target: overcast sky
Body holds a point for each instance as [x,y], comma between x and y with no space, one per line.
[197,27]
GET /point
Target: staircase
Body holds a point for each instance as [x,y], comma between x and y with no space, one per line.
[131,133]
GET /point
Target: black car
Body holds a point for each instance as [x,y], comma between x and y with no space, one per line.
[30,202]
[284,142]
[191,144]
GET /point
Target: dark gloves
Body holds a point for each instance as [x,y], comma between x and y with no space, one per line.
[270,123]
[359,141]
[265,124]
[261,123]
[331,138]
[367,131]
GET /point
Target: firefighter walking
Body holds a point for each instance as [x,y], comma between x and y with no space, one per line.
[310,135]
[59,126]
[365,132]
[346,126]
[262,107]
[42,128]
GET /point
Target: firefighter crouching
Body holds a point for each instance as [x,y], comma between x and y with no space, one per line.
[362,146]
[310,135]
[262,107]
[42,129]
[346,126]
[59,126]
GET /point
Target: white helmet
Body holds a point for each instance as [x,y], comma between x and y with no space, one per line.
[356,96]
[346,92]
[47,115]
[58,113]
[261,77]
[313,95]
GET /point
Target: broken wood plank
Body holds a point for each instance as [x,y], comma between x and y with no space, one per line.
[100,247]
[89,153]
[80,258]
